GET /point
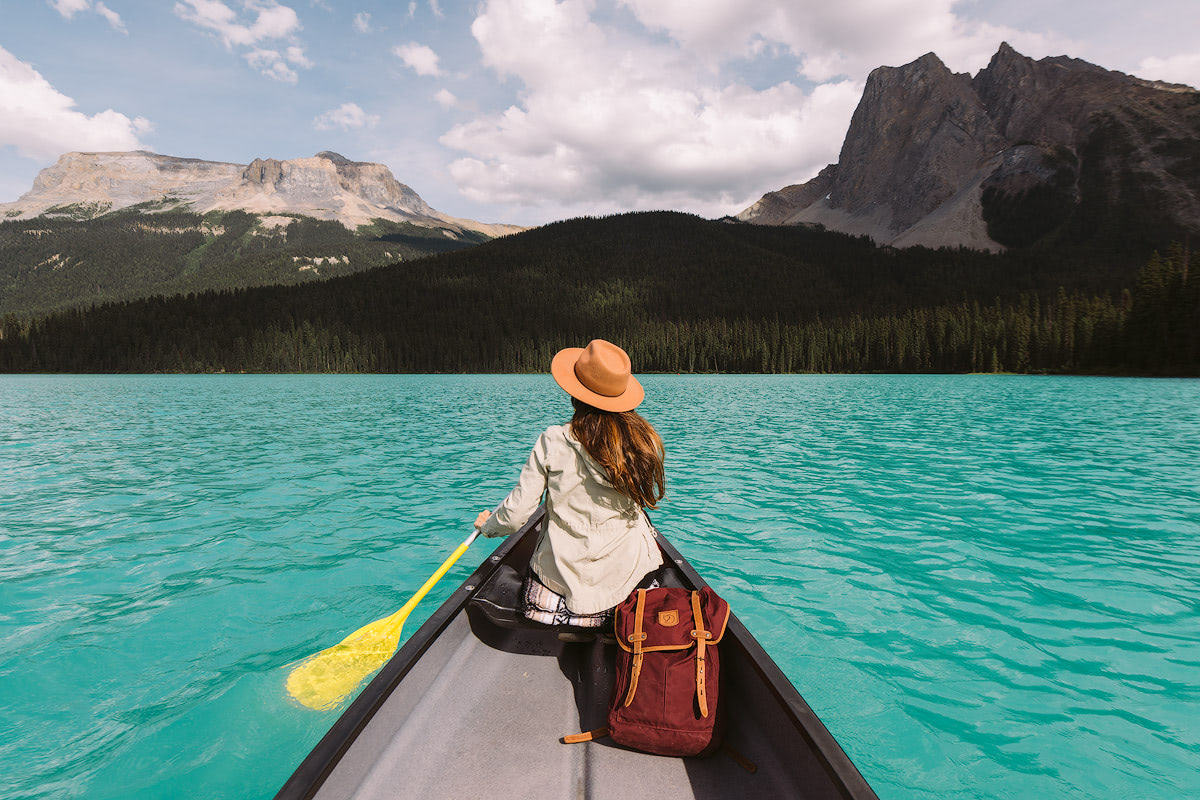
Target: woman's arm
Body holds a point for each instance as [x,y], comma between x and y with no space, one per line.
[523,500]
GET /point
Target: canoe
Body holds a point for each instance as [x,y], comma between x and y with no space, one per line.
[475,702]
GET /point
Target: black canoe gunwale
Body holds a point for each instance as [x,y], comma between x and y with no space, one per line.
[306,781]
[316,767]
[808,724]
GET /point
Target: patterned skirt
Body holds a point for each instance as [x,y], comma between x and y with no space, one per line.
[544,605]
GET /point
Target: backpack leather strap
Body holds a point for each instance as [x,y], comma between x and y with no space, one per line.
[739,759]
[636,638]
[701,636]
[586,736]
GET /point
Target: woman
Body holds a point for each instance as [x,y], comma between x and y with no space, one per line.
[598,473]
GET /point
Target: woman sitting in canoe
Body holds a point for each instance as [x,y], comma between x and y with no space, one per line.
[598,472]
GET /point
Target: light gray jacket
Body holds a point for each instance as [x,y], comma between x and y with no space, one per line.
[597,545]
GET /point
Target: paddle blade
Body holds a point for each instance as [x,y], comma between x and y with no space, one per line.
[324,680]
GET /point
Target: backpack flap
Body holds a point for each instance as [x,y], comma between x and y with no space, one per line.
[667,619]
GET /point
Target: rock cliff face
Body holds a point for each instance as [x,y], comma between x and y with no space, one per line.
[326,186]
[1024,150]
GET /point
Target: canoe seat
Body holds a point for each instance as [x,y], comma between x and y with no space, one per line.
[499,601]
[500,598]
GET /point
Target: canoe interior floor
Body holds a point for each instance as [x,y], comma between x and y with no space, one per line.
[481,713]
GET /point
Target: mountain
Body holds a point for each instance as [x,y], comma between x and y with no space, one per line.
[678,292]
[1025,152]
[326,186]
[114,226]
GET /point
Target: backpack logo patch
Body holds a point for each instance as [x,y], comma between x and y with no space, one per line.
[668,619]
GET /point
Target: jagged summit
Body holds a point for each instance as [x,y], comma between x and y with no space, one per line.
[326,186]
[1022,149]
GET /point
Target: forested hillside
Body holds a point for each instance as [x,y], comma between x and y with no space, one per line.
[680,293]
[57,261]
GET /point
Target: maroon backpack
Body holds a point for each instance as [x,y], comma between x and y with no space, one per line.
[666,696]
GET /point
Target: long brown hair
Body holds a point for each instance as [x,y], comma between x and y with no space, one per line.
[627,447]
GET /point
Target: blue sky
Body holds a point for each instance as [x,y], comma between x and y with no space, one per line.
[519,111]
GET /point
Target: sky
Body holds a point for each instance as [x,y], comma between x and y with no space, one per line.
[520,111]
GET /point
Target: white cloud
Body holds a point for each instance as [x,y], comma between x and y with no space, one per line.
[259,22]
[614,117]
[445,98]
[436,8]
[271,20]
[295,55]
[362,22]
[41,123]
[419,57]
[1182,68]
[271,64]
[69,8]
[610,121]
[848,38]
[412,8]
[347,116]
[114,19]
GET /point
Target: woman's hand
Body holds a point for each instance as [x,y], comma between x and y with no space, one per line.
[482,518]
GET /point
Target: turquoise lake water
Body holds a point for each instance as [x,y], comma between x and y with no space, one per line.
[987,587]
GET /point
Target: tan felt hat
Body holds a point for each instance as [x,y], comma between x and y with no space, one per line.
[599,375]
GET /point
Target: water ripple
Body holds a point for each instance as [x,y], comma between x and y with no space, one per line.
[986,587]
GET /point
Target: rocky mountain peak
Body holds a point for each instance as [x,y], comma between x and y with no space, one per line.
[1005,54]
[926,72]
[917,133]
[1007,69]
[326,186]
[1019,151]
[263,171]
[926,63]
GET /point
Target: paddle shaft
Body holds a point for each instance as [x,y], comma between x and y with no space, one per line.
[406,609]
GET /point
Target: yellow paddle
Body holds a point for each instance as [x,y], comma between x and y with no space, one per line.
[322,681]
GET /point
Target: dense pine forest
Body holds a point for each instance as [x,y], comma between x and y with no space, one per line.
[68,259]
[682,294]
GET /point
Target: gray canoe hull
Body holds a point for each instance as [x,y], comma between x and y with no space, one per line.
[475,703]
